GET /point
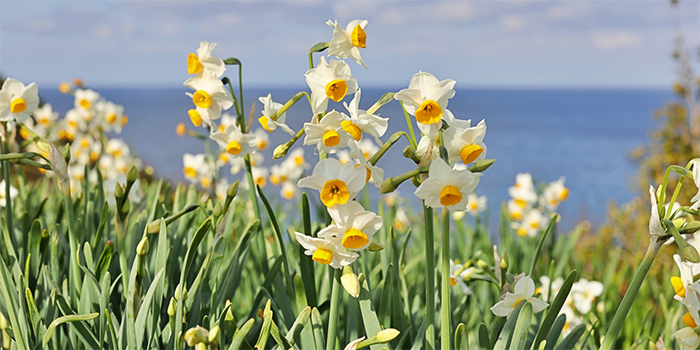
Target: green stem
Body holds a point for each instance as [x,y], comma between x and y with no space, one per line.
[6,177]
[331,342]
[430,278]
[410,127]
[673,198]
[240,93]
[445,299]
[624,308]
[256,210]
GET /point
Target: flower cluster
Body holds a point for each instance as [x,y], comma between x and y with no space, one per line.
[530,211]
[578,303]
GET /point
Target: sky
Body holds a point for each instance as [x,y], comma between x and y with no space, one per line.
[483,44]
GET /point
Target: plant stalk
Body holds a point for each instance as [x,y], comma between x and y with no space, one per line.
[430,278]
[6,177]
[331,342]
[446,312]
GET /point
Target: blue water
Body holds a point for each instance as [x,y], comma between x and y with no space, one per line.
[584,135]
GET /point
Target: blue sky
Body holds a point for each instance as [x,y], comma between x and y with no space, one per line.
[479,44]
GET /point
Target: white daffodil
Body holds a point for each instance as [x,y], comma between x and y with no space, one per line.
[346,43]
[289,190]
[523,192]
[204,62]
[3,198]
[226,120]
[360,121]
[327,251]
[688,271]
[687,338]
[195,167]
[533,221]
[515,211]
[328,135]
[45,117]
[269,108]
[572,320]
[354,226]
[545,288]
[338,183]
[584,292]
[466,144]
[284,172]
[222,186]
[428,146]
[426,98]
[691,318]
[17,101]
[210,98]
[297,156]
[368,148]
[655,229]
[446,187]
[401,220]
[260,174]
[113,116]
[696,177]
[85,99]
[457,274]
[523,290]
[262,139]
[85,149]
[234,141]
[375,174]
[329,81]
[554,194]
[476,204]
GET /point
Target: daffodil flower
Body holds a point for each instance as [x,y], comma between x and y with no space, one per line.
[523,192]
[532,222]
[426,98]
[45,117]
[113,118]
[696,178]
[655,229]
[285,171]
[359,121]
[545,288]
[428,146]
[476,204]
[687,337]
[523,291]
[354,226]
[688,271]
[338,183]
[327,251]
[346,43]
[17,101]
[375,174]
[554,194]
[195,167]
[458,279]
[210,98]
[447,188]
[329,81]
[289,190]
[466,144]
[3,198]
[204,62]
[85,99]
[234,141]
[584,292]
[328,135]
[269,108]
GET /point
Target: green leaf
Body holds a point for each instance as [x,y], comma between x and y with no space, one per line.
[369,317]
[386,301]
[278,234]
[461,337]
[64,319]
[146,307]
[681,171]
[540,243]
[298,325]
[554,309]
[239,337]
[34,316]
[522,326]
[506,335]
[266,327]
[554,332]
[570,341]
[105,260]
[484,341]
[305,265]
[318,329]
[85,334]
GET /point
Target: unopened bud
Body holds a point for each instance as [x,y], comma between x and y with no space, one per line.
[690,227]
[172,307]
[410,153]
[482,264]
[201,346]
[375,247]
[481,165]
[143,247]
[690,253]
[177,293]
[504,261]
[118,191]
[280,151]
[126,207]
[196,335]
[154,227]
[388,186]
[350,282]
[678,222]
[217,210]
[214,335]
[229,313]
[66,152]
[133,174]
[232,190]
[181,129]
[387,335]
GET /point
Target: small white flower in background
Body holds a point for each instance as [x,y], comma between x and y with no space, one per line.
[446,187]
[17,101]
[368,148]
[523,192]
[584,292]
[85,149]
[327,251]
[426,98]
[85,99]
[338,183]
[544,289]
[401,220]
[466,144]
[360,122]
[3,199]
[515,211]
[210,98]
[476,204]
[572,320]
[226,120]
[346,43]
[234,142]
[554,194]
[688,271]
[113,116]
[533,221]
[195,166]
[222,186]
[353,225]
[260,174]
[297,155]
[284,172]
[135,194]
[45,118]
[523,290]
[269,108]
[262,139]
[328,135]
[204,62]
[288,190]
[655,229]
[456,279]
[329,81]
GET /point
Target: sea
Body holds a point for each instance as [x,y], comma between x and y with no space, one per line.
[584,135]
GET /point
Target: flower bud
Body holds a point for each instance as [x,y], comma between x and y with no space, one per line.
[280,151]
[387,335]
[232,190]
[143,247]
[214,336]
[388,186]
[118,191]
[217,210]
[177,293]
[66,152]
[196,335]
[172,307]
[132,175]
[410,153]
[482,264]
[375,247]
[504,261]
[181,129]
[481,165]
[201,346]
[154,227]
[350,282]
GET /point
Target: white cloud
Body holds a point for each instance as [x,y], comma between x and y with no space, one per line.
[512,22]
[609,41]
[569,9]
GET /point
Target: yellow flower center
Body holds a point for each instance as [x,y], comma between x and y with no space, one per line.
[564,194]
[24,134]
[193,64]
[352,129]
[190,172]
[125,120]
[181,129]
[111,118]
[354,239]
[260,181]
[359,37]
[94,156]
[223,156]
[473,206]
[262,145]
[64,87]
[678,286]
[263,122]
[117,153]
[323,256]
[85,103]
[453,281]
[689,321]
[275,180]
[450,195]
[45,122]
[288,194]
[334,192]
[331,138]
[84,143]
[336,89]
[233,147]
[299,160]
[429,112]
[205,182]
[369,172]
[201,99]
[18,105]
[521,203]
[522,232]
[470,153]
[195,117]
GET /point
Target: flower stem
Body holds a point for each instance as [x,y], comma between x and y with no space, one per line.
[331,342]
[410,127]
[256,211]
[6,177]
[430,278]
[446,312]
[624,308]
